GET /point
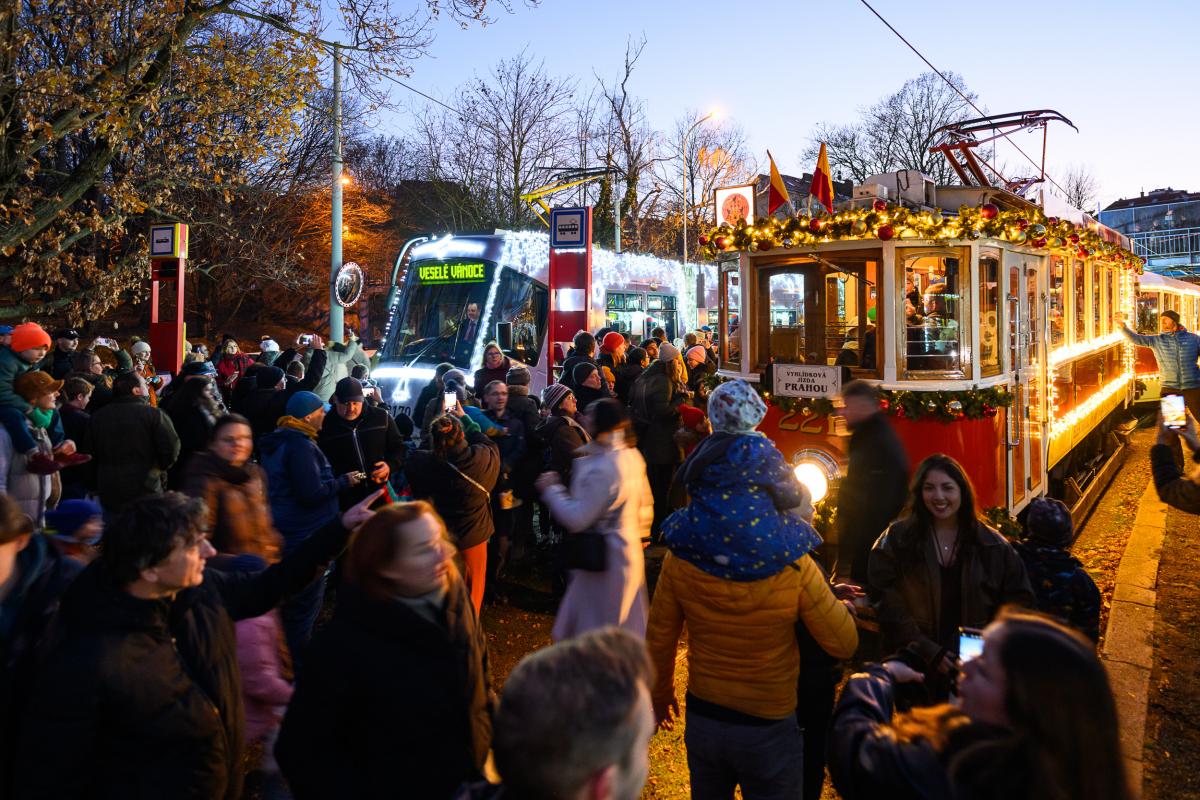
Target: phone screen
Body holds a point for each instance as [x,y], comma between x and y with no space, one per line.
[1173,411]
[970,644]
[449,401]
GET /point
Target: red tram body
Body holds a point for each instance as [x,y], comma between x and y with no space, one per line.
[955,301]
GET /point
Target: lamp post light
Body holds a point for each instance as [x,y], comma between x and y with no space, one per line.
[337,324]
[683,156]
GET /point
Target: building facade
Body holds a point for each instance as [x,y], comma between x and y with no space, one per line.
[1164,227]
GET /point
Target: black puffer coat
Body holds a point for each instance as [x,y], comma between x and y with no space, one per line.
[561,439]
[146,695]
[390,704]
[466,508]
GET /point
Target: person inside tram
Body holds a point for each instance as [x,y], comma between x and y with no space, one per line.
[911,316]
[940,329]
[910,291]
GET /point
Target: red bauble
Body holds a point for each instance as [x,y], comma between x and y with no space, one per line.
[879,205]
[1082,252]
[764,245]
[1074,237]
[703,239]
[885,232]
[989,411]
[883,404]
[1022,224]
[989,210]
[900,412]
[961,415]
[815,225]
[1039,242]
[722,242]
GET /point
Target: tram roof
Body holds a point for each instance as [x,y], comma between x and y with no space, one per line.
[1152,280]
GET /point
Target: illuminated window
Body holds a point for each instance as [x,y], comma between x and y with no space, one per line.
[1147,312]
[1097,299]
[730,332]
[1058,307]
[937,332]
[1079,292]
[784,337]
[989,311]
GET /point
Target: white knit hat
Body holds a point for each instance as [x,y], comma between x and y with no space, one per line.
[668,352]
[269,346]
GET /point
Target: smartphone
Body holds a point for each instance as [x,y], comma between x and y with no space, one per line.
[970,644]
[449,401]
[1174,412]
[306,339]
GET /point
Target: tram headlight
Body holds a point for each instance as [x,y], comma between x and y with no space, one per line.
[816,471]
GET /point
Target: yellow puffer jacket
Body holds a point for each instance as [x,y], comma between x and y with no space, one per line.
[742,650]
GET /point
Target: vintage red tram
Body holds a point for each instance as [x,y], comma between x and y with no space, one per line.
[987,321]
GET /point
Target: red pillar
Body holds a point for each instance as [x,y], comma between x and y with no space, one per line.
[570,296]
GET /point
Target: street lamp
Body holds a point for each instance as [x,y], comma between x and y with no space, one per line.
[683,155]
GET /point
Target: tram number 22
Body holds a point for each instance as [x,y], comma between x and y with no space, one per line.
[808,422]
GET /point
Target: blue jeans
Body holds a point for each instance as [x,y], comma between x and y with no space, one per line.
[765,760]
[299,613]
[14,421]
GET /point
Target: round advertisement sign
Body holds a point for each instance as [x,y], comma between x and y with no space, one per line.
[348,284]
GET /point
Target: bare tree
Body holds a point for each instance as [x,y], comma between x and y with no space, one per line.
[1079,185]
[897,132]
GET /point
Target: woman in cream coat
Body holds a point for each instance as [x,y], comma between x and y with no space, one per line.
[609,495]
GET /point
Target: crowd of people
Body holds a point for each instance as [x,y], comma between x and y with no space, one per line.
[257,556]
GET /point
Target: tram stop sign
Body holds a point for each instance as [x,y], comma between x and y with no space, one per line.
[568,228]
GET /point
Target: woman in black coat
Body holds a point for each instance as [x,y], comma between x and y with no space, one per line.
[395,697]
[194,409]
[457,476]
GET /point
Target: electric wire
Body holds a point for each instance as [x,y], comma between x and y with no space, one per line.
[959,91]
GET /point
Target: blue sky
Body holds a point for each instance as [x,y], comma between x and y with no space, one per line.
[1123,72]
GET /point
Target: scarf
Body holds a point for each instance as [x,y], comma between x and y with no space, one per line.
[41,417]
[297,425]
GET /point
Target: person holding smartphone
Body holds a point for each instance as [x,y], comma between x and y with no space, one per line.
[940,568]
[1020,730]
[1175,488]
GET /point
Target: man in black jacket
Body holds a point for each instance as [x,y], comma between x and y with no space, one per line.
[875,488]
[1174,488]
[141,683]
[360,438]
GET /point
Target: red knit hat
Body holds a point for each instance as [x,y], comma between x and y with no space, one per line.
[612,340]
[29,335]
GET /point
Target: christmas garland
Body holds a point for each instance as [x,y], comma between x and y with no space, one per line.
[947,406]
[883,222]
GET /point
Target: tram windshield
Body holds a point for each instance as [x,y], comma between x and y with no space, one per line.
[934,311]
[441,315]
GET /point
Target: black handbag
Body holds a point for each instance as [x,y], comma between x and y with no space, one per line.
[586,551]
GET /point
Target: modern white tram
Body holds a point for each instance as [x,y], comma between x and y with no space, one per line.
[1156,294]
[461,292]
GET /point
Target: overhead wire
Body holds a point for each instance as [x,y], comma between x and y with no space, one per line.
[960,93]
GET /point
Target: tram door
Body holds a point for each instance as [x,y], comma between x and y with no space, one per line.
[1026,419]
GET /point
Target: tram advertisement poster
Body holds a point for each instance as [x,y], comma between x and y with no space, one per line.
[805,380]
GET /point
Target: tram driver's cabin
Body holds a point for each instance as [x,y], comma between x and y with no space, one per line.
[956,301]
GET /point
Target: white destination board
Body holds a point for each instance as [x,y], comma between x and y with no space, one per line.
[805,380]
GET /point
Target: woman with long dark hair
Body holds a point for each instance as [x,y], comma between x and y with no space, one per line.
[939,568]
[1037,721]
[394,699]
[194,409]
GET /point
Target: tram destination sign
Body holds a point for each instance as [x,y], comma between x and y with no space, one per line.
[807,380]
[452,272]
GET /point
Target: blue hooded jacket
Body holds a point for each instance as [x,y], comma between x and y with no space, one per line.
[737,525]
[1176,353]
[301,486]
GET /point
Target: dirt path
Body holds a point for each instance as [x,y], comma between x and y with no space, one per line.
[1101,542]
[1172,750]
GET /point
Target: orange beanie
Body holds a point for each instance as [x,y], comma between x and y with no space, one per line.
[29,335]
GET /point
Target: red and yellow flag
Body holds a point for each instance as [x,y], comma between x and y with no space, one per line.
[822,182]
[777,195]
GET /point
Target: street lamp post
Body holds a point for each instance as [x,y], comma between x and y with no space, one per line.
[684,157]
[337,329]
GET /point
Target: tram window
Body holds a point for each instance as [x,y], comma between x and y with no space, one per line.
[526,305]
[1058,308]
[784,295]
[730,343]
[1097,298]
[1147,312]
[989,311]
[935,335]
[1079,291]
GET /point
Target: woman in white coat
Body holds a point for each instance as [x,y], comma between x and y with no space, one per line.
[609,495]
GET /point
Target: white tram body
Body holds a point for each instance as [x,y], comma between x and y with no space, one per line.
[454,281]
[1156,294]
